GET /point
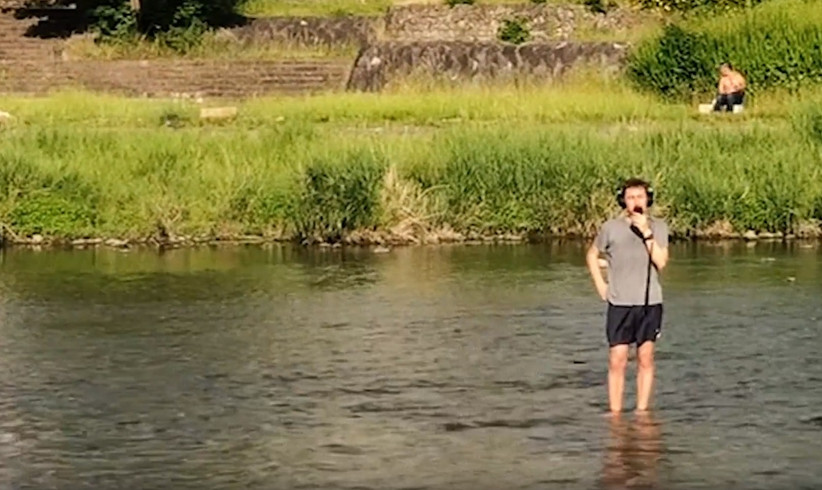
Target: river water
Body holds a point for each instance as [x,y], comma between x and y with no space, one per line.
[427,367]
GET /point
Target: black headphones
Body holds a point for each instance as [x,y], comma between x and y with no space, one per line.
[620,197]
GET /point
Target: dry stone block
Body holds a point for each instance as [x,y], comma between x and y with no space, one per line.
[218,113]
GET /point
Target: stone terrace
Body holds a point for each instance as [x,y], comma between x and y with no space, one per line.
[434,39]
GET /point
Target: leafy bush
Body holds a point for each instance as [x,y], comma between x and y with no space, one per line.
[676,65]
[115,20]
[514,31]
[39,202]
[52,215]
[177,24]
[774,45]
[340,193]
[596,6]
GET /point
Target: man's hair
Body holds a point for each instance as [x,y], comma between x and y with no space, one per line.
[635,182]
[728,64]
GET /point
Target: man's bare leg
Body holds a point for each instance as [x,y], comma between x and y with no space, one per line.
[617,363]
[644,375]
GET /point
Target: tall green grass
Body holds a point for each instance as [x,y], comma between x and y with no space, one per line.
[776,44]
[563,182]
[572,101]
[407,104]
[306,181]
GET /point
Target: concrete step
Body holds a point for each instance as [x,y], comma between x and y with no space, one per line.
[8,32]
[22,52]
[210,79]
[22,59]
[24,46]
[28,41]
[44,88]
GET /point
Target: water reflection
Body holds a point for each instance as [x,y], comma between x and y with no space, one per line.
[633,452]
[434,367]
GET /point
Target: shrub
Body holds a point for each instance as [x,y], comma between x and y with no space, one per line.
[675,65]
[176,24]
[514,31]
[774,45]
[340,193]
[596,6]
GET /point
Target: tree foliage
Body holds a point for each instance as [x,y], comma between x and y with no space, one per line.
[177,23]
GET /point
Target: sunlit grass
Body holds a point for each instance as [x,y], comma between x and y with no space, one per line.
[213,46]
[263,8]
[578,98]
[483,160]
[776,44]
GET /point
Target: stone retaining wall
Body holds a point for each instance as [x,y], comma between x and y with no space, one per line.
[481,22]
[380,63]
[309,31]
[438,47]
[418,23]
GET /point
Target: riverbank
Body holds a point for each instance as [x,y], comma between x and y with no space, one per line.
[378,242]
[406,167]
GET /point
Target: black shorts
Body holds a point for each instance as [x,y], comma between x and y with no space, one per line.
[633,324]
[728,101]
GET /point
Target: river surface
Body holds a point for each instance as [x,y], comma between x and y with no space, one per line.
[475,367]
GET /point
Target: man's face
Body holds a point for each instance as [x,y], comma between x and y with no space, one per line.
[724,70]
[636,197]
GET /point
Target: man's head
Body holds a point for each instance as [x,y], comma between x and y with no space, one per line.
[636,193]
[725,69]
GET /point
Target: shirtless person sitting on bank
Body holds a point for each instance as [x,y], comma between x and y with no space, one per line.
[731,88]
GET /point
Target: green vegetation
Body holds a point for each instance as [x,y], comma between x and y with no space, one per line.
[270,8]
[777,44]
[176,24]
[452,3]
[263,8]
[424,160]
[514,31]
[418,106]
[403,164]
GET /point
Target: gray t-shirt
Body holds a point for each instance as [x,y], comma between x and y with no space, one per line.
[627,259]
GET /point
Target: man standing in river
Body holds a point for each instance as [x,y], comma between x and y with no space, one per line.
[636,249]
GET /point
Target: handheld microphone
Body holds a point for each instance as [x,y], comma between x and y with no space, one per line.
[634,229]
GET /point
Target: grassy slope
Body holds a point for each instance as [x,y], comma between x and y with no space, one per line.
[481,160]
[413,161]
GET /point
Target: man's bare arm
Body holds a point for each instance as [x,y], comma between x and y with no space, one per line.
[659,254]
[592,258]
